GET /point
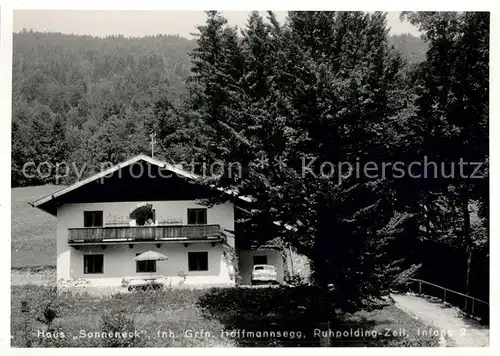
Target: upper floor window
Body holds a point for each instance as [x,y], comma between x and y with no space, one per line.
[197,216]
[92,218]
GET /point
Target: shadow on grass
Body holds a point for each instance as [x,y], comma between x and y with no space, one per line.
[290,317]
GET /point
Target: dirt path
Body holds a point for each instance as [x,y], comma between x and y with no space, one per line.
[462,331]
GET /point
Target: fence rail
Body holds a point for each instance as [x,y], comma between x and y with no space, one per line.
[472,310]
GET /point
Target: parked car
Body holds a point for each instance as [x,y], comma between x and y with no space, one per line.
[264,274]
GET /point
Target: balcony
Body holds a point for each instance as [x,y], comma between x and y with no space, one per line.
[130,234]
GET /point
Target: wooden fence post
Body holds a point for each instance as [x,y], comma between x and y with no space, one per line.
[325,341]
[419,287]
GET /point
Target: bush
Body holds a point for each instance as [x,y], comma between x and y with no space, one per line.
[296,280]
[120,330]
[302,310]
[298,309]
[183,277]
[125,282]
[74,282]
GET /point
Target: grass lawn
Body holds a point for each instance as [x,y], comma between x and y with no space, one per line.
[33,231]
[161,318]
[44,276]
[215,317]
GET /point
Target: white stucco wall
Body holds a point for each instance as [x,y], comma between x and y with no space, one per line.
[118,259]
[119,263]
[245,262]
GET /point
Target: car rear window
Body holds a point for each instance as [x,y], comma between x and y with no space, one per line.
[262,268]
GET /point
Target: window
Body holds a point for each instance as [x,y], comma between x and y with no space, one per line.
[197,216]
[198,261]
[264,268]
[145,266]
[260,260]
[93,264]
[92,218]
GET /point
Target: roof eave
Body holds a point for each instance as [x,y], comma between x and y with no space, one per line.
[44,208]
[38,203]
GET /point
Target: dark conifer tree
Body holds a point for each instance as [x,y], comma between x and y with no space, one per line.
[451,123]
[323,96]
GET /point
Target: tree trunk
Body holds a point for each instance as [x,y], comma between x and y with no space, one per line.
[319,266]
[319,271]
[467,240]
[427,219]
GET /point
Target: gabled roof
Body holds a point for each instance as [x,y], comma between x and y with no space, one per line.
[179,171]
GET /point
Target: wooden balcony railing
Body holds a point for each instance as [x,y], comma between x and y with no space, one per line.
[143,233]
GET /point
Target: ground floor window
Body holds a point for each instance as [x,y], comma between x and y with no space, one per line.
[260,260]
[93,264]
[145,266]
[198,261]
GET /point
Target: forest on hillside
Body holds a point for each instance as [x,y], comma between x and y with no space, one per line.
[87,100]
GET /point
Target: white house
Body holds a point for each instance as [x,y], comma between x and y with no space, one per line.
[98,241]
